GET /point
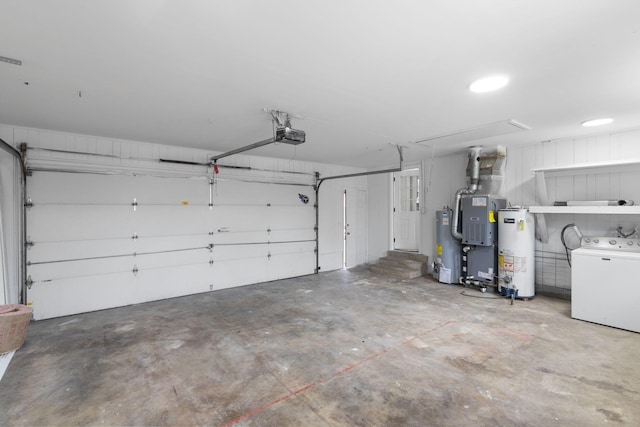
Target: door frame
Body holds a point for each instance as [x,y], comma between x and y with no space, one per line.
[392,201]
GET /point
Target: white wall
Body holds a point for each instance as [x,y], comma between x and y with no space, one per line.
[442,176]
[73,211]
[379,228]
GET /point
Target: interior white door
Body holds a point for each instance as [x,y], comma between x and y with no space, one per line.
[355,227]
[406,209]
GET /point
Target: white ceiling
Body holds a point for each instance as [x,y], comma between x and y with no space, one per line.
[362,74]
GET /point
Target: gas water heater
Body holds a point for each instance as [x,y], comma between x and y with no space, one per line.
[446,268]
[516,252]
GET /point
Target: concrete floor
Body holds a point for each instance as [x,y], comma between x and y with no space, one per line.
[339,348]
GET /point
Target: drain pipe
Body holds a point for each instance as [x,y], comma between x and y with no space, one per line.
[474,181]
[19,154]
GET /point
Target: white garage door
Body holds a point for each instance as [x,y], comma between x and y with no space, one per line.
[102,241]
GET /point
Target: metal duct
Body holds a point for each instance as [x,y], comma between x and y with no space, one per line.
[473,172]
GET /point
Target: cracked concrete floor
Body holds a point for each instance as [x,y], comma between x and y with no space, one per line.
[338,348]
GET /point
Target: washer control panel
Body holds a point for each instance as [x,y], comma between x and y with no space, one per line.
[611,243]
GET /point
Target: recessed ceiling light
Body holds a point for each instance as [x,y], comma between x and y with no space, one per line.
[597,122]
[487,84]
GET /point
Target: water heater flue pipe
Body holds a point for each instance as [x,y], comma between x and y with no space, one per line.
[474,179]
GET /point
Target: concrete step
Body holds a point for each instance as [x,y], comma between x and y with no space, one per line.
[401,273]
[403,265]
[400,262]
[414,256]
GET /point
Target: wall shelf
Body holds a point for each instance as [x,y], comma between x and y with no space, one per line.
[580,168]
[588,166]
[603,210]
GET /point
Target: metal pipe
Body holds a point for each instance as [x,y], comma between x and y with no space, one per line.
[352,175]
[317,227]
[243,149]
[455,216]
[474,180]
[474,160]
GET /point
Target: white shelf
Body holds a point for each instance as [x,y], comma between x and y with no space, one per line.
[594,165]
[604,210]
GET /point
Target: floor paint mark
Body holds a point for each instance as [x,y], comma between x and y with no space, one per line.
[68,322]
[336,374]
[126,327]
[420,344]
[176,344]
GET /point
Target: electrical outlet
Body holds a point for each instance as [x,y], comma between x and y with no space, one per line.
[210,287]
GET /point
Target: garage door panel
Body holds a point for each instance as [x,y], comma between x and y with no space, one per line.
[48,223]
[81,268]
[172,220]
[234,272]
[89,293]
[79,249]
[70,188]
[174,259]
[241,219]
[291,265]
[294,234]
[233,252]
[240,237]
[167,191]
[291,216]
[170,243]
[162,282]
[230,192]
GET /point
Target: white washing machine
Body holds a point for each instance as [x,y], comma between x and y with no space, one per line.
[605,288]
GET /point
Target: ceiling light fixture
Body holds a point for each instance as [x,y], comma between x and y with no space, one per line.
[488,84]
[597,122]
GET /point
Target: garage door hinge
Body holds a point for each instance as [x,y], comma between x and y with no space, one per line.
[210,261]
[29,243]
[315,250]
[135,270]
[315,228]
[28,203]
[268,205]
[134,204]
[210,247]
[29,282]
[135,236]
[269,256]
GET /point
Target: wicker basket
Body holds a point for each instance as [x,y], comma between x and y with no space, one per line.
[14,320]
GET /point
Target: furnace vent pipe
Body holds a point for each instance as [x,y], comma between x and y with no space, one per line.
[474,179]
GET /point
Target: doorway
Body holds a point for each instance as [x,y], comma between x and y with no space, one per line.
[406,209]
